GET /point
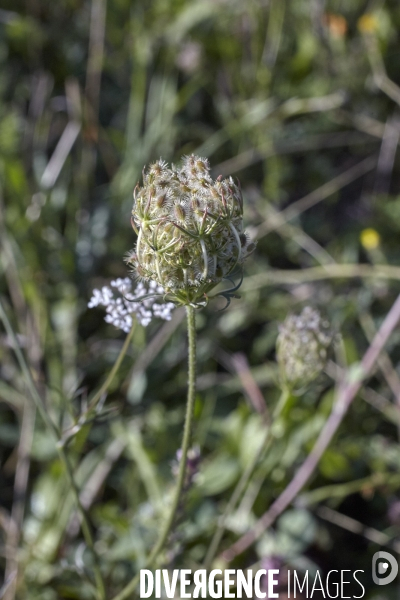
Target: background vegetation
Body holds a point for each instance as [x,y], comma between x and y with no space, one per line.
[297,99]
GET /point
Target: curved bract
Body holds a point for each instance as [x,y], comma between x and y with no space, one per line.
[189,228]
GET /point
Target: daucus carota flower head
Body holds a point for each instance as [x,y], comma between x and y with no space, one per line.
[123,303]
[302,348]
[189,228]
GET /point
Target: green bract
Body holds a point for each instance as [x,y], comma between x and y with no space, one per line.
[189,228]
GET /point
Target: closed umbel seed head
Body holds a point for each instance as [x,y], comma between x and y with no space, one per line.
[302,348]
[190,229]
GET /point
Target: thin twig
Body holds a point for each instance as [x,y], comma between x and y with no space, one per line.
[390,411]
[342,490]
[321,193]
[96,480]
[375,536]
[345,396]
[312,143]
[297,235]
[250,385]
[384,361]
[95,56]
[379,402]
[238,364]
[9,264]
[60,154]
[110,377]
[334,271]
[92,89]
[157,343]
[273,36]
[364,123]
[271,110]
[387,155]
[381,80]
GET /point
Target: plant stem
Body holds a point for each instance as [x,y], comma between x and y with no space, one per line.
[93,401]
[61,451]
[243,481]
[191,322]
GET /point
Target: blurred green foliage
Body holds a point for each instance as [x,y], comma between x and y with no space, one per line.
[284,96]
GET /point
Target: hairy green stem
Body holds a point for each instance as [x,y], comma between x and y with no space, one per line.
[191,322]
[30,384]
[243,481]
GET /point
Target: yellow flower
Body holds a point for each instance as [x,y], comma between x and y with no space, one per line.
[367,23]
[370,238]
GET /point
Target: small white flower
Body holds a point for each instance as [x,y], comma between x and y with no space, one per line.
[121,303]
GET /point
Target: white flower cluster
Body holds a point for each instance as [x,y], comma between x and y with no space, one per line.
[121,303]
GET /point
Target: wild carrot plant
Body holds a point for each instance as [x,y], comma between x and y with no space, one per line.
[190,238]
[291,426]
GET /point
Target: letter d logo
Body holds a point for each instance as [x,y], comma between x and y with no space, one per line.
[383,567]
